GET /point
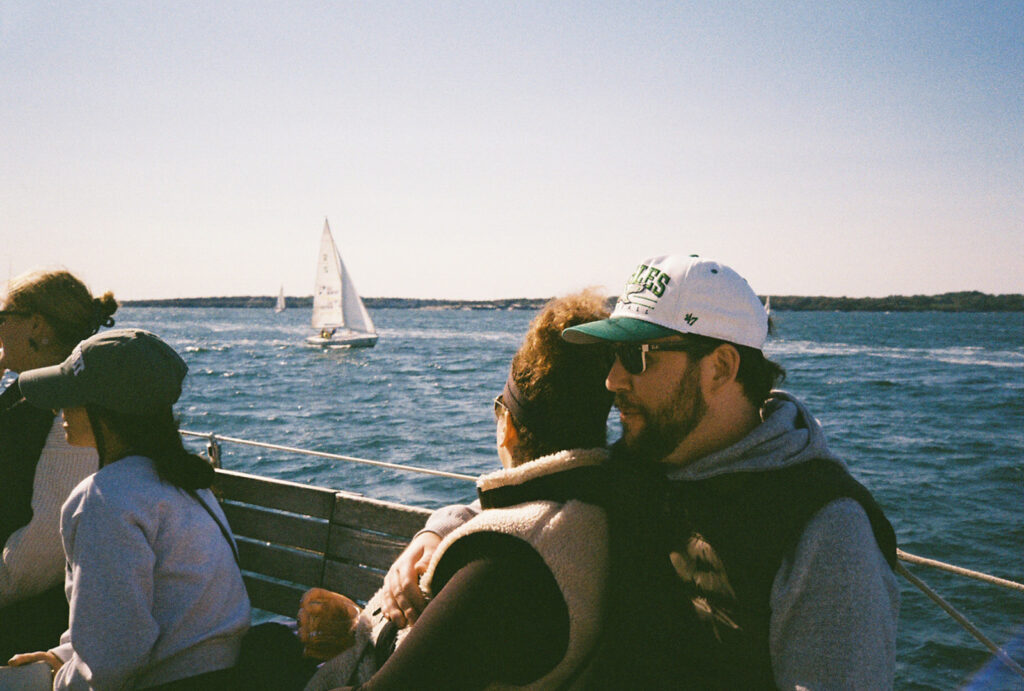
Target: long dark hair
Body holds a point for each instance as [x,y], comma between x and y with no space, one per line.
[155,436]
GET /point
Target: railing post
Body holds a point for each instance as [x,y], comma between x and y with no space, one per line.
[213,450]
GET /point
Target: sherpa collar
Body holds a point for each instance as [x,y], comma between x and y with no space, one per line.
[559,476]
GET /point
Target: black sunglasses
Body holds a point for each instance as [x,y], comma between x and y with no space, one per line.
[633,356]
[12,313]
[498,406]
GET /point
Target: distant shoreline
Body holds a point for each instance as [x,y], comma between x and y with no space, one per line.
[970,301]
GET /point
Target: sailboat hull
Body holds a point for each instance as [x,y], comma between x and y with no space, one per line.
[343,341]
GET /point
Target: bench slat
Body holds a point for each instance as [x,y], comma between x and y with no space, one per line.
[307,500]
[360,547]
[283,529]
[381,516]
[303,568]
[357,583]
[278,598]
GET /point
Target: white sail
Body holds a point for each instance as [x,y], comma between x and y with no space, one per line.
[280,305]
[352,307]
[336,304]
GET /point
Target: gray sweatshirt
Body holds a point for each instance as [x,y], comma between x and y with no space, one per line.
[835,602]
[154,589]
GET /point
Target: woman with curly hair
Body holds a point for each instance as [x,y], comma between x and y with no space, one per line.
[516,592]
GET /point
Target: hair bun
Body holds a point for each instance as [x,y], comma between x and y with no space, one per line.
[103,309]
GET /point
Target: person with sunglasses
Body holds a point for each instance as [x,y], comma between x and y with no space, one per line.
[759,562]
[44,313]
[517,590]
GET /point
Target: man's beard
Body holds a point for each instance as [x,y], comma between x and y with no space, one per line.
[663,429]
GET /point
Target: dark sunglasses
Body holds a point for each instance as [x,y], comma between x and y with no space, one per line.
[633,356]
[498,406]
[12,313]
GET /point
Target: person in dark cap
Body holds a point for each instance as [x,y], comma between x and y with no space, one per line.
[156,595]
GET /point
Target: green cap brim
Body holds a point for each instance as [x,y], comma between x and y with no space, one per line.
[616,329]
[51,388]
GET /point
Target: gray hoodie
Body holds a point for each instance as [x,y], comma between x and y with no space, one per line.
[154,590]
[835,602]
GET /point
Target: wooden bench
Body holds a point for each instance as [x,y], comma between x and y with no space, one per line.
[293,537]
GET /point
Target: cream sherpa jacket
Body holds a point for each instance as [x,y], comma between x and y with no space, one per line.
[572,538]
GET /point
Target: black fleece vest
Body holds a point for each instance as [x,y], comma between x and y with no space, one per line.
[692,570]
[23,432]
[692,565]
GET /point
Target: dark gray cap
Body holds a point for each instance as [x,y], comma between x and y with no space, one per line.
[126,370]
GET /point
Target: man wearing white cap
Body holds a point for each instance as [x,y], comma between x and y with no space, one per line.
[764,563]
[785,557]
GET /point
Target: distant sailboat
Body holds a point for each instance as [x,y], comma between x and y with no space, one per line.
[280,304]
[339,316]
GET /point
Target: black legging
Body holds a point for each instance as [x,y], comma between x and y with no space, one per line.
[219,680]
[33,624]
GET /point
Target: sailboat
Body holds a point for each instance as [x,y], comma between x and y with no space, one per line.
[339,315]
[280,304]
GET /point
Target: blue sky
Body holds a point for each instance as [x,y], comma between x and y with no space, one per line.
[500,149]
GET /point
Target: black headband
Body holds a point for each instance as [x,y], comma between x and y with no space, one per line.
[527,414]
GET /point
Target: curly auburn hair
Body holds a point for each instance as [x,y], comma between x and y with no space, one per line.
[561,381]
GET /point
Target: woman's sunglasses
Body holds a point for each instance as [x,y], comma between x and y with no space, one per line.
[633,356]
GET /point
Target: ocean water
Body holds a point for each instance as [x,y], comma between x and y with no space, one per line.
[926,408]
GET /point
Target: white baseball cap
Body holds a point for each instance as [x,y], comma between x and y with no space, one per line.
[676,294]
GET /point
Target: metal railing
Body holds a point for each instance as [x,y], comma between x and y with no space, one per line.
[213,450]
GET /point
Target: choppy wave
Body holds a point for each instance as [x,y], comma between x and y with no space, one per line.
[971,355]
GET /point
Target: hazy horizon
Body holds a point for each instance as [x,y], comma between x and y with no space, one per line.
[543,297]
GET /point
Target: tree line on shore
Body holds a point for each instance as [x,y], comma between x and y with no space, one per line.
[968,301]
